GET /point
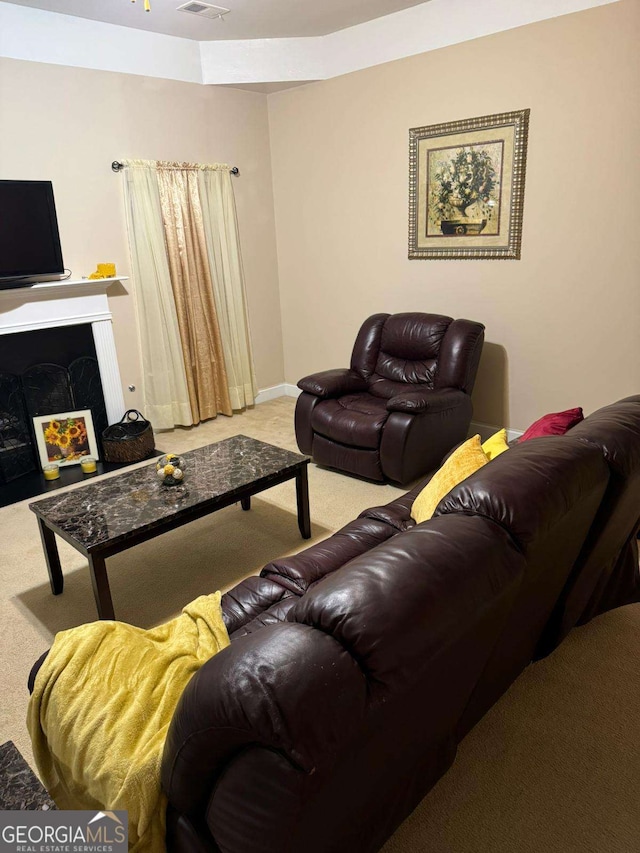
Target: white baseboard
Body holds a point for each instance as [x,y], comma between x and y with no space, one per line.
[487,430]
[286,389]
[282,390]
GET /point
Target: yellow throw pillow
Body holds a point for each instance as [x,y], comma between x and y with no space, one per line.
[460,465]
[496,445]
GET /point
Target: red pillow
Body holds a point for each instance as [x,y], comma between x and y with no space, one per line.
[555,423]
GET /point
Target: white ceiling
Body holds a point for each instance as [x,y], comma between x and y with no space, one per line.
[32,33]
[247,19]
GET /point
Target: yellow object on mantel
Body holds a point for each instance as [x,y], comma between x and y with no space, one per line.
[104,271]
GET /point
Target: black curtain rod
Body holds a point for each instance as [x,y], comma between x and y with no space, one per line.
[116,166]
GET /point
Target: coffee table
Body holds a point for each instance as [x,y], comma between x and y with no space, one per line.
[110,515]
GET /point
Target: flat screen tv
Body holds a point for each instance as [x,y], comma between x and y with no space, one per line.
[29,238]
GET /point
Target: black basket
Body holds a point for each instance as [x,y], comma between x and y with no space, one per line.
[131,440]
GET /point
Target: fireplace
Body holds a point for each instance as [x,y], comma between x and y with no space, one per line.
[57,353]
[44,372]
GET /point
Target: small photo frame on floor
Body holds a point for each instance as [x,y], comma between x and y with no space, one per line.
[65,437]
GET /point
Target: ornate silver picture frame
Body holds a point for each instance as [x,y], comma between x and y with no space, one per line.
[466,188]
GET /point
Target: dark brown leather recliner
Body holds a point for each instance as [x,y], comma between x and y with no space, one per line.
[401,406]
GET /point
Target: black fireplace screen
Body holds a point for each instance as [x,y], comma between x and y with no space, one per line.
[17,455]
[42,390]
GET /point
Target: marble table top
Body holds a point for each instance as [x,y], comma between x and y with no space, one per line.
[116,508]
[20,788]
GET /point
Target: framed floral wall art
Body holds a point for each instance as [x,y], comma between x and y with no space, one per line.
[466,187]
[65,437]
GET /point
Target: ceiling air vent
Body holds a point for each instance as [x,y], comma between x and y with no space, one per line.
[205,10]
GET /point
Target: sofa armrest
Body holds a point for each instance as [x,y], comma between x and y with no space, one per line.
[298,572]
[397,512]
[398,517]
[414,402]
[248,600]
[287,688]
[333,383]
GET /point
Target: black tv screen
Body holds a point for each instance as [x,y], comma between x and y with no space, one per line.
[29,238]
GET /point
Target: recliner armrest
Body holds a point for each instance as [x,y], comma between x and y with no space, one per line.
[333,383]
[414,402]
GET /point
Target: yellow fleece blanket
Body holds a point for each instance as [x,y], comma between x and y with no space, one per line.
[101,708]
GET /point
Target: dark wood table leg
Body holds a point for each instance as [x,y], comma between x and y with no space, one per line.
[52,557]
[245,503]
[302,495]
[100,584]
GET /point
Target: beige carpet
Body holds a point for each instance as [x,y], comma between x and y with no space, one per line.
[553,767]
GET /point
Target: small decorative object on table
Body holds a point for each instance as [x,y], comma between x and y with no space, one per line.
[169,468]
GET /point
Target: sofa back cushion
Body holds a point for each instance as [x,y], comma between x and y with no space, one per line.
[606,573]
[545,494]
[528,490]
[418,616]
[294,735]
[401,604]
[327,708]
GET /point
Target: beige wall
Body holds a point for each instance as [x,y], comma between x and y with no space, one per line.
[563,323]
[68,124]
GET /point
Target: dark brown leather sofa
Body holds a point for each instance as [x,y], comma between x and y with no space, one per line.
[403,403]
[358,665]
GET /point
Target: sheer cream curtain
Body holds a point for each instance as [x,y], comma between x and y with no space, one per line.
[165,392]
[223,246]
[190,293]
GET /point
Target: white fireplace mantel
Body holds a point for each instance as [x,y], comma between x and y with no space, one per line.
[70,303]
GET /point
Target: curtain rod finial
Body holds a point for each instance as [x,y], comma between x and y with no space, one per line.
[116,166]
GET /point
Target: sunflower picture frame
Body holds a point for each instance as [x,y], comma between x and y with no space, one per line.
[65,437]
